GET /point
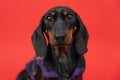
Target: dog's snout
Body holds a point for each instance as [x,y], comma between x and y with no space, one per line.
[60,37]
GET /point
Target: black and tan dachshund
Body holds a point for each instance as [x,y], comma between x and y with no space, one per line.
[62,58]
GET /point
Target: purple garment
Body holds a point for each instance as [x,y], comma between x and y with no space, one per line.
[49,73]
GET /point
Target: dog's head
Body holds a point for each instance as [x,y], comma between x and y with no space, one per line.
[62,26]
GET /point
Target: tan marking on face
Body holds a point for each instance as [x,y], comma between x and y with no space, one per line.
[53,13]
[50,34]
[65,13]
[69,37]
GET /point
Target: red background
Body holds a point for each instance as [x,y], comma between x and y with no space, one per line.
[19,18]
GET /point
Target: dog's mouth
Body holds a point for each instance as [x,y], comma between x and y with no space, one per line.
[62,54]
[63,59]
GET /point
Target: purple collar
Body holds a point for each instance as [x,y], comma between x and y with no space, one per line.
[49,73]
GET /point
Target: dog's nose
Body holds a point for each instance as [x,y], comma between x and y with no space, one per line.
[60,37]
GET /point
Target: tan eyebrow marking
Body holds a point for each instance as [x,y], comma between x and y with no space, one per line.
[65,12]
[53,13]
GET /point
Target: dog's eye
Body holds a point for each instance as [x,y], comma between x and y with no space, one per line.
[49,19]
[69,17]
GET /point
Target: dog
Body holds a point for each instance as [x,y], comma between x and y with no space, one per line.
[63,57]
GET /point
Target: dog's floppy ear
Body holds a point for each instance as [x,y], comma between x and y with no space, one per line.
[39,41]
[81,38]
